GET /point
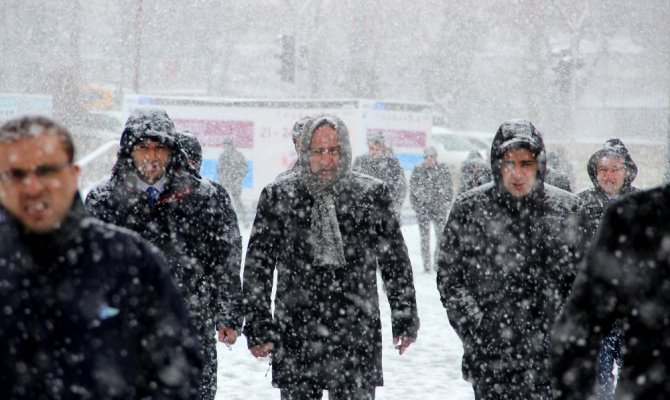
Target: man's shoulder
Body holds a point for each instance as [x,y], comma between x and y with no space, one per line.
[130,242]
[475,196]
[650,204]
[365,182]
[560,199]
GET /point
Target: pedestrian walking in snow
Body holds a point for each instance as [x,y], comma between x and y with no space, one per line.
[612,171]
[430,196]
[626,278]
[382,164]
[474,172]
[506,264]
[326,231]
[232,168]
[89,310]
[157,194]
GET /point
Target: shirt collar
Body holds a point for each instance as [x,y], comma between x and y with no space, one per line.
[159,185]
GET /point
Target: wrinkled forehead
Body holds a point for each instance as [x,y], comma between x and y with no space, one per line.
[150,142]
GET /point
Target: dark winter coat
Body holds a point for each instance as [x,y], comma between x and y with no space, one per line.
[474,172]
[232,168]
[506,265]
[558,179]
[387,169]
[90,312]
[192,222]
[595,200]
[326,326]
[430,189]
[626,277]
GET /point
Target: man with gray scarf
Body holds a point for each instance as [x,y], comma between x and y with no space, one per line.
[326,230]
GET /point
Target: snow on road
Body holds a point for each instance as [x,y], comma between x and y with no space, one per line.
[429,370]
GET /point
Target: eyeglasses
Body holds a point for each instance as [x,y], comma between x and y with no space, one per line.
[42,172]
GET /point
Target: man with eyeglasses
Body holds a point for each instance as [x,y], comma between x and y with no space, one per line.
[87,307]
[506,263]
[612,171]
[156,192]
[325,231]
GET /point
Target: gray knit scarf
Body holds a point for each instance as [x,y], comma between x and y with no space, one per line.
[325,233]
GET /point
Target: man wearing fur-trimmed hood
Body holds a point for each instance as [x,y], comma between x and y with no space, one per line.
[326,230]
[506,264]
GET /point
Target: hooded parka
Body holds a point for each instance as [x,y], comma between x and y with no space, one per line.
[326,327]
[505,267]
[595,200]
[192,223]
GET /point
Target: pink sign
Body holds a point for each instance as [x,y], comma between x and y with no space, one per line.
[213,133]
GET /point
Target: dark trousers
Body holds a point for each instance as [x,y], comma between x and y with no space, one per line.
[514,387]
[316,393]
[610,352]
[208,380]
[424,218]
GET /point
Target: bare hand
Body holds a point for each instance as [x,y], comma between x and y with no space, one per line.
[227,335]
[262,350]
[405,341]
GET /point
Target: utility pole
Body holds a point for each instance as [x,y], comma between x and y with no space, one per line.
[137,62]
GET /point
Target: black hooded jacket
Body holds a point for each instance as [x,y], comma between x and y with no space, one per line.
[595,200]
[192,222]
[90,312]
[506,265]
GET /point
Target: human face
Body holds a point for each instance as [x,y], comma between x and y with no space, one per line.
[151,158]
[37,181]
[324,159]
[519,171]
[610,174]
[376,149]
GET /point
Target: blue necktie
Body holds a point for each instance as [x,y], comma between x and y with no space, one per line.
[152,192]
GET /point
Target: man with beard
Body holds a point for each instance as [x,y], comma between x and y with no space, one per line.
[506,264]
[325,231]
[154,191]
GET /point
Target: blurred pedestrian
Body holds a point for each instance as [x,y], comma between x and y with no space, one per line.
[325,231]
[379,164]
[155,192]
[232,168]
[430,195]
[626,278]
[90,310]
[474,172]
[506,264]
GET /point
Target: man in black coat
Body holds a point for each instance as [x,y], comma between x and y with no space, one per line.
[430,195]
[90,311]
[155,192]
[325,231]
[381,164]
[626,277]
[612,171]
[506,264]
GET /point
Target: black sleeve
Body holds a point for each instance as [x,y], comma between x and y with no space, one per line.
[462,308]
[259,266]
[396,269]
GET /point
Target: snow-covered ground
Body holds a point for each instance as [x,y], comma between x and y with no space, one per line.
[429,370]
